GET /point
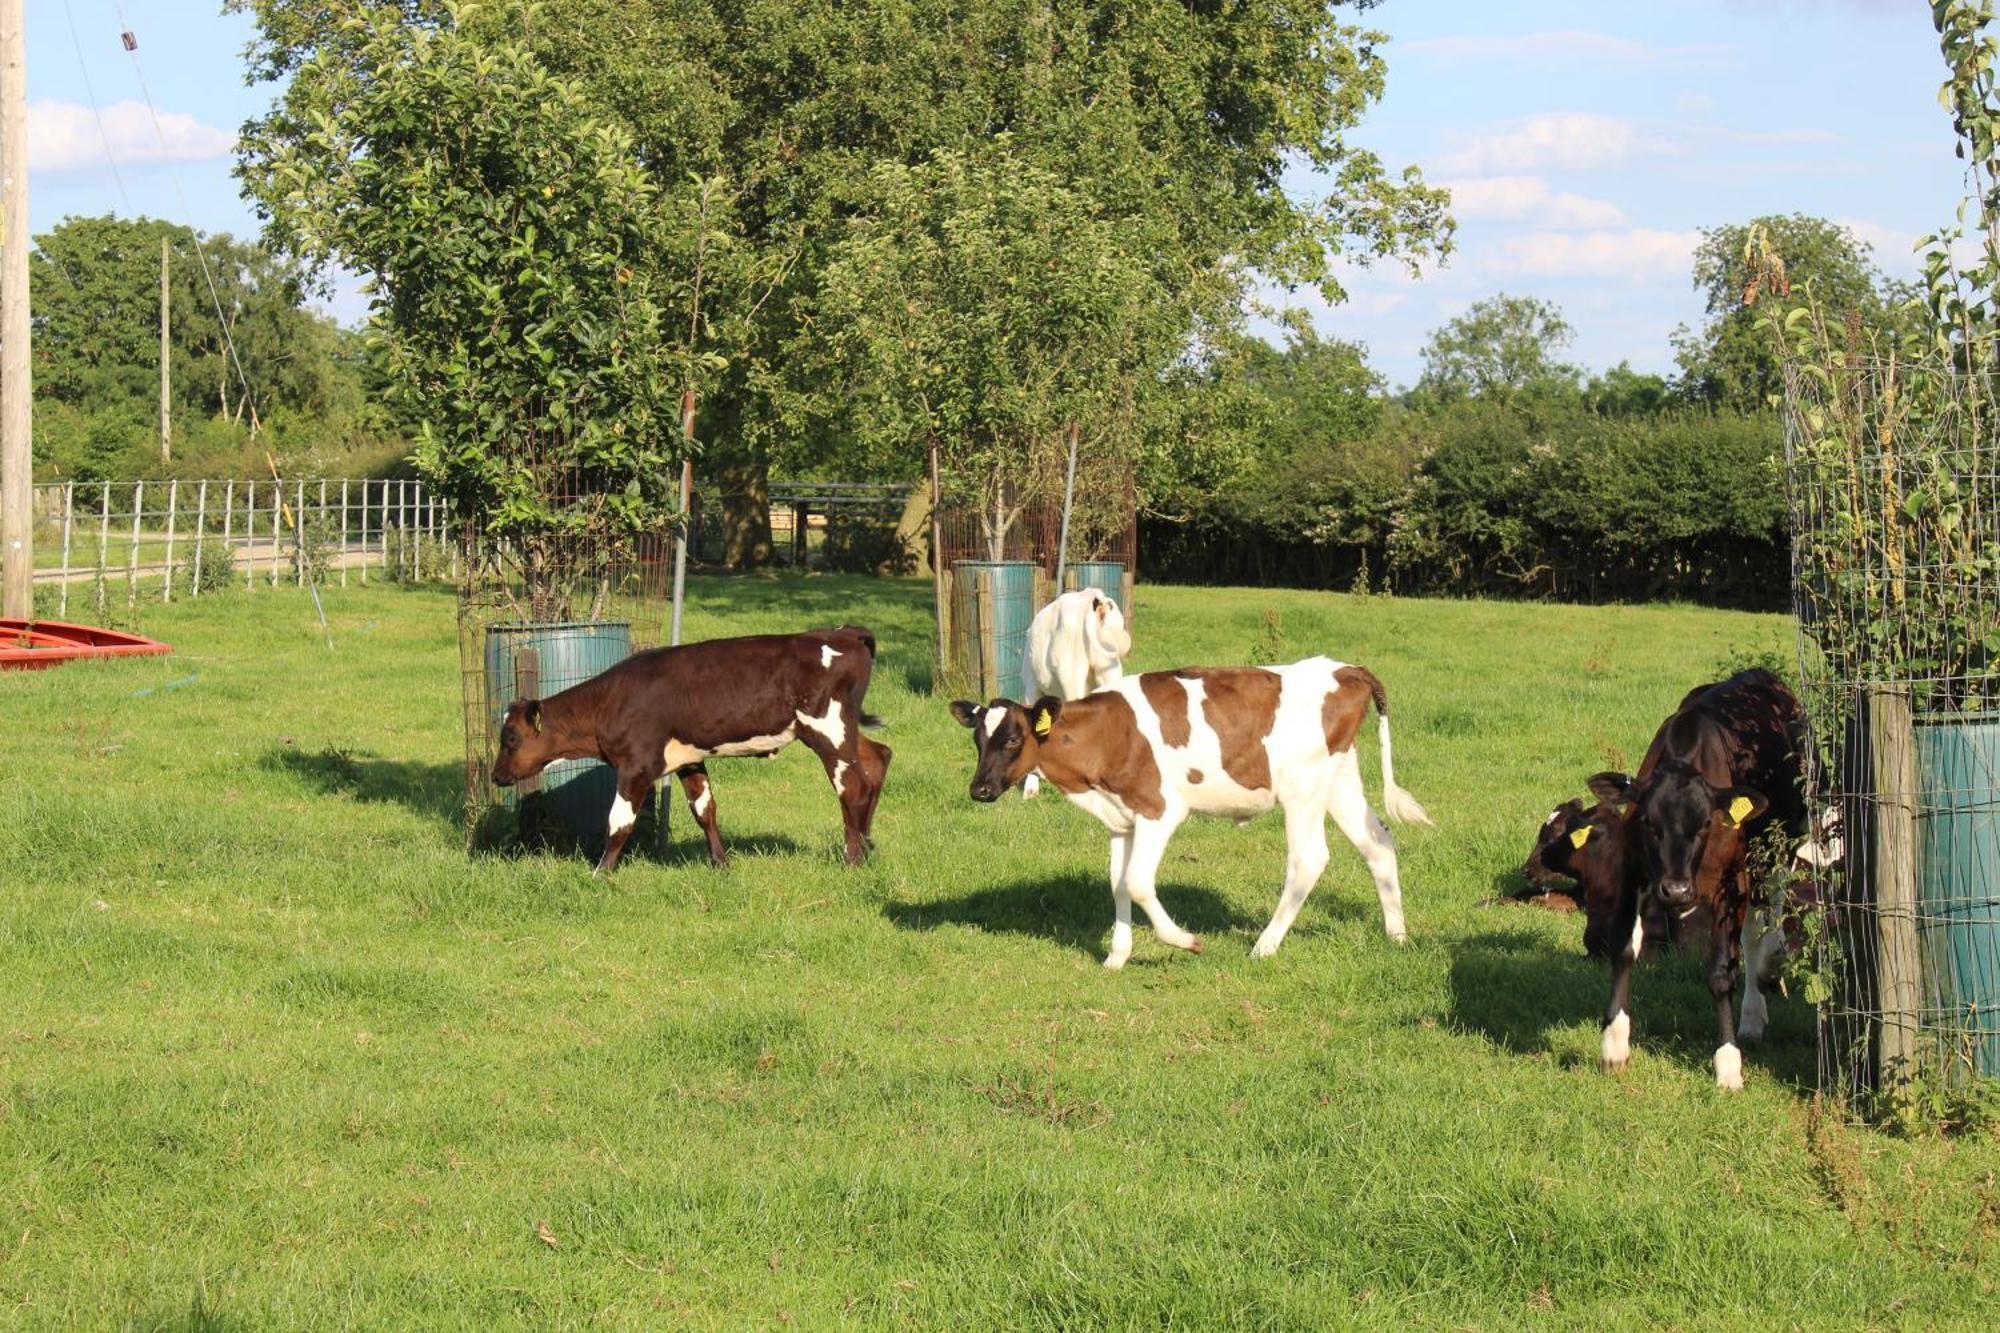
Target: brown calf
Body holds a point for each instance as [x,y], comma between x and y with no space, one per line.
[668,710]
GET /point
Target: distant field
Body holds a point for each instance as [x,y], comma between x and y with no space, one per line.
[275,1052]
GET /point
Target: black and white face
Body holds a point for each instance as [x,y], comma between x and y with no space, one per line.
[1003,733]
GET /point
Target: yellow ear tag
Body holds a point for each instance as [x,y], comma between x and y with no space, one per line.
[1739,809]
[1578,837]
[1044,723]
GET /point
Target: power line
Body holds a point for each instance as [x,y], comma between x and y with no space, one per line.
[103,134]
[208,276]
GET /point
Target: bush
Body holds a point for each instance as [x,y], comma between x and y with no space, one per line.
[858,543]
[208,568]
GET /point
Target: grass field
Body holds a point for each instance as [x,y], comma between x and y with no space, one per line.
[275,1052]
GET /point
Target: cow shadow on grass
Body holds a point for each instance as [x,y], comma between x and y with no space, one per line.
[1512,988]
[437,792]
[1073,910]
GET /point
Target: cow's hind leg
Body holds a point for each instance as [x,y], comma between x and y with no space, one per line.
[842,757]
[1762,941]
[1348,804]
[634,787]
[700,792]
[874,773]
[1305,859]
[1142,867]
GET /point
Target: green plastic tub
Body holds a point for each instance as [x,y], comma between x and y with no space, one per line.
[1958,879]
[575,793]
[1107,576]
[994,602]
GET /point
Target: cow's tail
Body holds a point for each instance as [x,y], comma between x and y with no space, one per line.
[1398,804]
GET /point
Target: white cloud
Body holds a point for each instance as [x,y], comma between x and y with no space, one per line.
[1564,141]
[1528,199]
[1640,254]
[1567,46]
[64,136]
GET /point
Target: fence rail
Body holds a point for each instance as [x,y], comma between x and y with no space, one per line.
[97,540]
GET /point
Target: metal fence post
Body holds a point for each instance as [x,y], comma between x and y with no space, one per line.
[299,532]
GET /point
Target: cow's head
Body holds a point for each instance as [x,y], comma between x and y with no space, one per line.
[1008,736]
[1551,858]
[1111,642]
[525,749]
[1681,814]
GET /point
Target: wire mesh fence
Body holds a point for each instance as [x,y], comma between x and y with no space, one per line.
[1893,478]
[101,547]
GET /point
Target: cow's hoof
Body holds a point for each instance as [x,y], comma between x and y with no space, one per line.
[1116,961]
[1193,945]
[1399,937]
[1728,1069]
[1263,948]
[1614,1066]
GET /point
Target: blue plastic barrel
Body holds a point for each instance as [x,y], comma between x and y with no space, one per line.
[1958,879]
[994,601]
[576,792]
[1107,576]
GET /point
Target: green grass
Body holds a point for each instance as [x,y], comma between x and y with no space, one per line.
[275,1052]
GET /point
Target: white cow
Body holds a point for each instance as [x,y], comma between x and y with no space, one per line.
[1077,644]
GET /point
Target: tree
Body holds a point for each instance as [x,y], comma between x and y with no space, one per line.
[1181,120]
[1501,347]
[525,275]
[985,310]
[1624,392]
[1729,362]
[96,284]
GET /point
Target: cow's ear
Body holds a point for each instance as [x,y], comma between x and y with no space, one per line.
[965,711]
[1042,717]
[1740,805]
[1609,787]
[532,715]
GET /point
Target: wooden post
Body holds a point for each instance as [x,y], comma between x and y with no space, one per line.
[528,685]
[937,567]
[343,532]
[132,554]
[166,420]
[17,523]
[1893,837]
[1069,498]
[228,512]
[173,504]
[69,510]
[686,515]
[277,528]
[417,547]
[249,535]
[200,523]
[364,532]
[103,546]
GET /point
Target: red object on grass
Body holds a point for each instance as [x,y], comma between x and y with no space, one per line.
[28,645]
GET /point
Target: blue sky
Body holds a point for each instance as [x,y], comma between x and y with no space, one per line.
[1586,143]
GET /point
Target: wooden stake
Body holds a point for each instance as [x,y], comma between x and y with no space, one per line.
[1898,972]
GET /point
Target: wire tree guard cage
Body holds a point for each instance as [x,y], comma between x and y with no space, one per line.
[1893,480]
[1015,518]
[536,615]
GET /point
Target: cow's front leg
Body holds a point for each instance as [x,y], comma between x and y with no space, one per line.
[634,787]
[1762,940]
[1722,968]
[1617,1036]
[700,793]
[1142,868]
[1121,925]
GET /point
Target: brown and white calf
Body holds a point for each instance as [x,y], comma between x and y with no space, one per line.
[668,710]
[1150,750]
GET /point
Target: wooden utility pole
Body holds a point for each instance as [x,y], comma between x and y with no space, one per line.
[166,422]
[17,589]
